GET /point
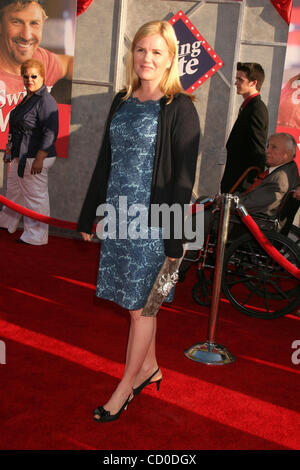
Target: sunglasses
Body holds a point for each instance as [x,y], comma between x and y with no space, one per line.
[30,76]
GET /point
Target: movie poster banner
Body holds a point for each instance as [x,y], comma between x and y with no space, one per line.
[197,60]
[44,30]
[289,107]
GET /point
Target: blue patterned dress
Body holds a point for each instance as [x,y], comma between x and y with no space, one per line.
[128,266]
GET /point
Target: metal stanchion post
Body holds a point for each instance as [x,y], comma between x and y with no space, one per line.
[209,352]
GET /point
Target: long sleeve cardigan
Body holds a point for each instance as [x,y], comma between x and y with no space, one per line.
[174,165]
[33,126]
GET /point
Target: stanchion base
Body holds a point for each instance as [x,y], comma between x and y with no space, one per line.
[209,353]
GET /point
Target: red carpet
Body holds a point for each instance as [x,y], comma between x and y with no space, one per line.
[64,355]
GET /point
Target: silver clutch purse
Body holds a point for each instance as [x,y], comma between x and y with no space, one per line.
[163,284]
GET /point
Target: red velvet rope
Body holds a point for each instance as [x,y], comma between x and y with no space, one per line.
[269,248]
[82,5]
[198,206]
[34,215]
[42,218]
[247,219]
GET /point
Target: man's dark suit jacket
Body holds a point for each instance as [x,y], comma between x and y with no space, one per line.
[247,142]
[264,200]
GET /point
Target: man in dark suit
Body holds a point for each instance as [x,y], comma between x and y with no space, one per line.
[247,141]
[264,197]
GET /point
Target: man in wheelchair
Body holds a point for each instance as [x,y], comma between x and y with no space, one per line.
[263,198]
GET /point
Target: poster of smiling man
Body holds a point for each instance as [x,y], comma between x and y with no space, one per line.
[43,30]
[289,107]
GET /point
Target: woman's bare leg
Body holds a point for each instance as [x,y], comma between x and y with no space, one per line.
[149,365]
[140,344]
[150,361]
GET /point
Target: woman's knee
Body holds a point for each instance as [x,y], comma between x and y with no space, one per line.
[136,314]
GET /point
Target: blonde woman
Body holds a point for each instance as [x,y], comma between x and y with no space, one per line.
[148,155]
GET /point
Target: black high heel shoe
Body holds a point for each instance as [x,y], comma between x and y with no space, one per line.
[148,381]
[105,416]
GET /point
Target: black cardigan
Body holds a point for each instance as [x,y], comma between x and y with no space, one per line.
[174,166]
[33,126]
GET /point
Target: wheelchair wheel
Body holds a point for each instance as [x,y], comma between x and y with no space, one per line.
[294,234]
[254,283]
[202,289]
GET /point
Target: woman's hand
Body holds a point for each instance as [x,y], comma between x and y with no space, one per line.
[37,165]
[87,236]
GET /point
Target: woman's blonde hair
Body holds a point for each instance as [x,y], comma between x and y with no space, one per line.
[170,82]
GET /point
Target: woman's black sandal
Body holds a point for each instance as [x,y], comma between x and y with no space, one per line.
[101,415]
